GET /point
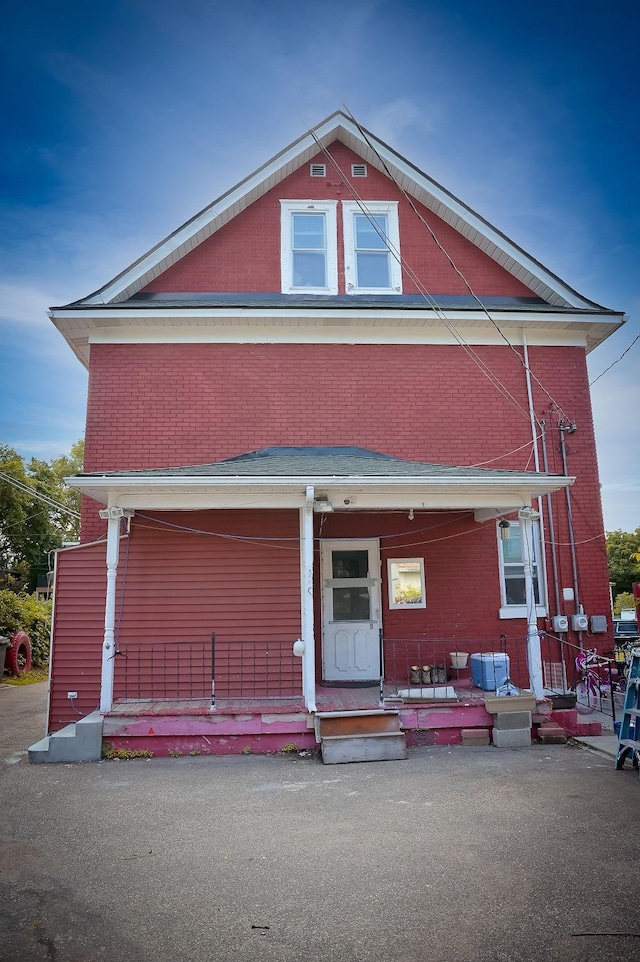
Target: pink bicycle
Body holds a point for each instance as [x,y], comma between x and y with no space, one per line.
[591,689]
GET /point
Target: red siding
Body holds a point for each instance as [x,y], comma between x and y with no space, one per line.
[244,255]
[78,624]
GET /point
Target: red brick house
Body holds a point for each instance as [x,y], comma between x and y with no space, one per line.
[312,409]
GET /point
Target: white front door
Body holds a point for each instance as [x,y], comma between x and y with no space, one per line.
[351,615]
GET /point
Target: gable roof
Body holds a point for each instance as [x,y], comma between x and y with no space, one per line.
[373,151]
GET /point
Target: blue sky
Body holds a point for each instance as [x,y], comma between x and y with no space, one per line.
[122,119]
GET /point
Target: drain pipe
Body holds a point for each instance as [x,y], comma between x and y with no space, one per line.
[566,428]
[552,533]
[569,429]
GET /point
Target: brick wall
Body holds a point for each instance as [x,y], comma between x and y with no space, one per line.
[244,255]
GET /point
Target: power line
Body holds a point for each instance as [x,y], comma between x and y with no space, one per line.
[446,254]
[40,497]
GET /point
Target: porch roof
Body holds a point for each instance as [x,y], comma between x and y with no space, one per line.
[349,478]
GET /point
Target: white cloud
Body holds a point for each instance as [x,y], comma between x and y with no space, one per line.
[21,303]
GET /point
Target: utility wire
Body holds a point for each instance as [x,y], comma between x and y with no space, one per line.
[457,270]
[40,497]
[440,313]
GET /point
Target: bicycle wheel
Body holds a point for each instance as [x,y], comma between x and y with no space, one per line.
[586,698]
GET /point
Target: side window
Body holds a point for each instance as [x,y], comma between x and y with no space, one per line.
[308,247]
[512,587]
[372,248]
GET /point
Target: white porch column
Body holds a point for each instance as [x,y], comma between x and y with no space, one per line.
[306,601]
[527,516]
[108,647]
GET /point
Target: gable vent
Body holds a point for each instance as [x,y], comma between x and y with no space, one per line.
[318,170]
[358,170]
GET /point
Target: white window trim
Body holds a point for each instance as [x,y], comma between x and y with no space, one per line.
[406,607]
[327,207]
[520,611]
[390,208]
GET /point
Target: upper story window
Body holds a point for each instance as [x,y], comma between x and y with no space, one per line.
[372,248]
[309,247]
[512,587]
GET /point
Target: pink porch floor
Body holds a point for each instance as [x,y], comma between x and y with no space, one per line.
[177,727]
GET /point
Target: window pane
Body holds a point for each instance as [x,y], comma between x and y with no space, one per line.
[309,270]
[367,236]
[514,587]
[350,564]
[511,548]
[351,604]
[308,231]
[373,270]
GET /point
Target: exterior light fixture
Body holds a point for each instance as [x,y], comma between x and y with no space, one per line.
[322,506]
[505,530]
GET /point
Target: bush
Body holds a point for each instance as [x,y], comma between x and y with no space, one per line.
[26,613]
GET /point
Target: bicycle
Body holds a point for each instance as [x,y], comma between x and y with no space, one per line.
[591,689]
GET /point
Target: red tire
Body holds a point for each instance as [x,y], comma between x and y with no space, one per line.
[18,656]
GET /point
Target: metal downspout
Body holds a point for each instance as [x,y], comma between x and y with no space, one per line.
[570,428]
[306,601]
[552,533]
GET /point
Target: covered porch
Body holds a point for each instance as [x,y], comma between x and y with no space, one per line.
[348,503]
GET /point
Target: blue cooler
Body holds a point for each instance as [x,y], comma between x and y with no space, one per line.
[489,670]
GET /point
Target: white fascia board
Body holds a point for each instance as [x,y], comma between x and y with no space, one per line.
[362,493]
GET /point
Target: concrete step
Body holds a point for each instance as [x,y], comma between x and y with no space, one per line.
[373,747]
[80,741]
[367,722]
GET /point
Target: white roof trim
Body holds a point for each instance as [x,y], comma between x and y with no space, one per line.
[104,325]
[540,280]
[163,492]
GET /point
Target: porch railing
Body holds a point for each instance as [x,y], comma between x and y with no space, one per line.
[216,668]
[179,670]
[405,659]
[256,670]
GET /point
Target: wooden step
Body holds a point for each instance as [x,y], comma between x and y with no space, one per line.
[375,747]
[368,722]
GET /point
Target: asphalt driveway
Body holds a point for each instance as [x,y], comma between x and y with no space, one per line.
[455,855]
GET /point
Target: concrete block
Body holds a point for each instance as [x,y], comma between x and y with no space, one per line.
[39,752]
[382,746]
[551,736]
[509,721]
[516,738]
[525,701]
[471,737]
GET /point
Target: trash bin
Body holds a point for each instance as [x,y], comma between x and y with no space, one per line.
[4,644]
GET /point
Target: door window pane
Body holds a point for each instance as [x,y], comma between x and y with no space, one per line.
[351,604]
[350,564]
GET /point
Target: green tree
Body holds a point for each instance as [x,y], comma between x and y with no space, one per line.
[623,554]
[37,513]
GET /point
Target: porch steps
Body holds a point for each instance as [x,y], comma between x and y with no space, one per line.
[79,742]
[362,736]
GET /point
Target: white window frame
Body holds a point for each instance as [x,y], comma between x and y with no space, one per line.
[406,606]
[520,611]
[329,209]
[390,208]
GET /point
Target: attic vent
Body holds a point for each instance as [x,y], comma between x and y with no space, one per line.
[318,170]
[358,170]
